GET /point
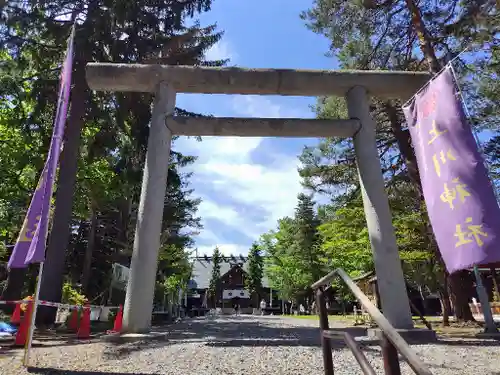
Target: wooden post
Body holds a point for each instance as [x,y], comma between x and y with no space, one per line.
[390,356]
[324,326]
[489,322]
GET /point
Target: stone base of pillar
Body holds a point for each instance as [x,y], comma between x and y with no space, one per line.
[411,336]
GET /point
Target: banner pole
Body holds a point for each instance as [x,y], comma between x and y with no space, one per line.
[489,322]
[33,317]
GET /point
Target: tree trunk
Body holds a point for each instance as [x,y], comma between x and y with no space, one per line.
[170,306]
[460,289]
[423,37]
[52,280]
[87,261]
[125,209]
[14,289]
[496,290]
[32,277]
[444,298]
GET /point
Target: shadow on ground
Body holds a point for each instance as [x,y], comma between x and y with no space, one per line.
[229,332]
[376,351]
[54,371]
[248,331]
[51,341]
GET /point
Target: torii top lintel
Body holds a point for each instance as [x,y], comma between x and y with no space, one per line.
[222,80]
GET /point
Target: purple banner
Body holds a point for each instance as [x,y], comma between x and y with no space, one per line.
[30,246]
[462,207]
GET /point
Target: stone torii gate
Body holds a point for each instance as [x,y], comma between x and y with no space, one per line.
[167,81]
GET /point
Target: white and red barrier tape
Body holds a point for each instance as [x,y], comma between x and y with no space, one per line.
[56,304]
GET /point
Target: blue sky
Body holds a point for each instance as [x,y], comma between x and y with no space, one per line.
[247,184]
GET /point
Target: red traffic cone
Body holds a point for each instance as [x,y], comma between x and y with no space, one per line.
[117,327]
[16,316]
[84,329]
[73,321]
[22,333]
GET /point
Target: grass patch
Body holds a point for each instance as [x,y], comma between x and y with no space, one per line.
[431,319]
[330,317]
[434,320]
[451,331]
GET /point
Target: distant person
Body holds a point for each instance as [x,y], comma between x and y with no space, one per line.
[288,308]
[236,308]
[262,306]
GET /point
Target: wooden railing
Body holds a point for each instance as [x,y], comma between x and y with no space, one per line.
[391,341]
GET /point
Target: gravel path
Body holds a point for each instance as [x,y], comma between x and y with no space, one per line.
[241,345]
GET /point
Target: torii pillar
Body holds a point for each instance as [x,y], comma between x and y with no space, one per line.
[166,81]
[138,306]
[390,278]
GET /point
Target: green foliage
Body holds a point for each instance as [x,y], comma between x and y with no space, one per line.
[294,257]
[72,296]
[305,245]
[215,276]
[345,241]
[253,281]
[375,35]
[112,315]
[174,283]
[492,153]
[115,130]
[3,251]
[174,268]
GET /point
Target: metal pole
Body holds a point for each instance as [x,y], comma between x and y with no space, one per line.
[324,326]
[489,323]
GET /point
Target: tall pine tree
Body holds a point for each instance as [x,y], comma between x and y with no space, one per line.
[387,35]
[111,126]
[305,245]
[215,276]
[255,272]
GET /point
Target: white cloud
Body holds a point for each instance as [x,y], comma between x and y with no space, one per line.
[273,189]
[225,165]
[260,106]
[221,51]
